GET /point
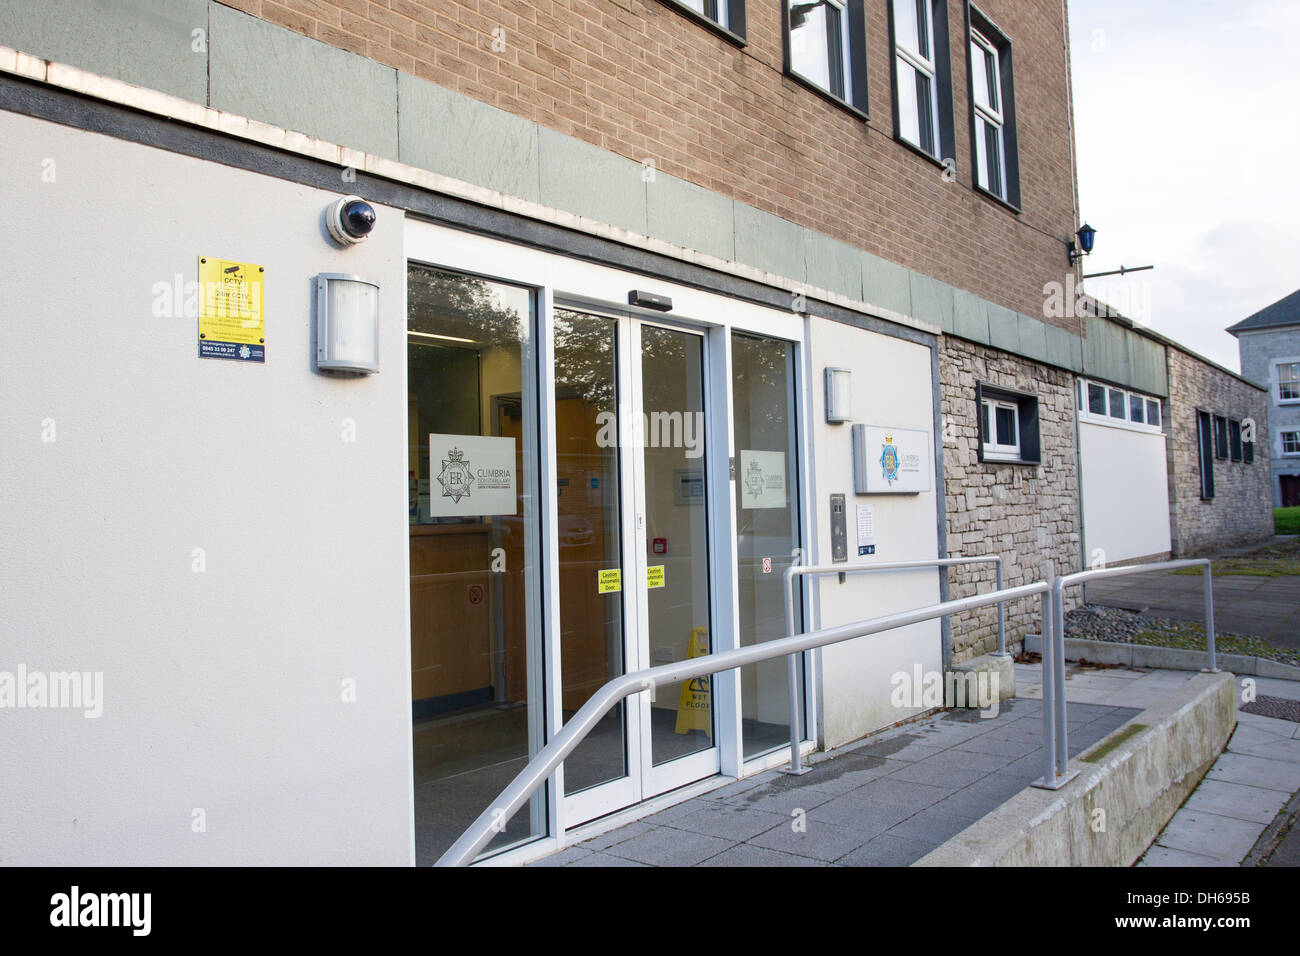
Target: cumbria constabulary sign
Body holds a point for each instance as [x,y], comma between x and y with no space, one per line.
[473,475]
[893,460]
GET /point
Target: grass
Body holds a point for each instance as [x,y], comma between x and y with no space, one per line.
[1190,636]
[1276,560]
[1286,520]
[1132,730]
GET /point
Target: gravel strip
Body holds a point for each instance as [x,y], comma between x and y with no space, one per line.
[1094,622]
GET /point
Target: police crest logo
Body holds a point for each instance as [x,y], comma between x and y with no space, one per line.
[456,476]
[754,481]
[889,460]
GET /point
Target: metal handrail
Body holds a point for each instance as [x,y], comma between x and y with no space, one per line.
[1056,752]
[539,769]
[796,570]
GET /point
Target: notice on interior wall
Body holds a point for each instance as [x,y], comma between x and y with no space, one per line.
[472,475]
[654,577]
[866,529]
[232,322]
[762,479]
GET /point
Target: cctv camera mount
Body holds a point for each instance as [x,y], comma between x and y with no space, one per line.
[350,220]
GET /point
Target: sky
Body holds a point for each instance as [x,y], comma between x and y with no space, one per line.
[1187,131]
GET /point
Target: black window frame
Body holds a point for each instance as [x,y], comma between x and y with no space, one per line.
[1031,452]
[947,145]
[1205,452]
[855,99]
[735,28]
[1221,437]
[977,21]
[1234,439]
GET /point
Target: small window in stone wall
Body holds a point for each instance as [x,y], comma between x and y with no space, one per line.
[1205,448]
[1008,423]
[1234,438]
[1220,437]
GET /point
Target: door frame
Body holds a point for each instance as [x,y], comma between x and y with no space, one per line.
[604,289]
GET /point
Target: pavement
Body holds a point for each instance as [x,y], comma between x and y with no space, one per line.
[893,797]
[1266,607]
[1246,806]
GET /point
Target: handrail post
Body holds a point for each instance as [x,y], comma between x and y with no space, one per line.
[1209,616]
[796,767]
[1049,733]
[1058,668]
[1002,614]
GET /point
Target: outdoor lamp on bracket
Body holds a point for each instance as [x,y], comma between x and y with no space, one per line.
[1081,244]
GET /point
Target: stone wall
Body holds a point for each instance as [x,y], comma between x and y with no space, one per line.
[1241,511]
[1259,349]
[1027,513]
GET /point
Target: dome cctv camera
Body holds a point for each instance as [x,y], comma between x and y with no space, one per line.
[350,220]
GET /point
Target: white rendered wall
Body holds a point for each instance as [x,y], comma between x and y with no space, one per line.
[1125,492]
[222,689]
[891,386]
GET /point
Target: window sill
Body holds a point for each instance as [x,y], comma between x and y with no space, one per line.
[826,94]
[995,198]
[930,157]
[996,458]
[711,25]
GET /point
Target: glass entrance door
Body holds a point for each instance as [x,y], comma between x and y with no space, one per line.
[632,520]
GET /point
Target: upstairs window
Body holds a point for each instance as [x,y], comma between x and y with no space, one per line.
[1220,437]
[1291,443]
[993,137]
[1288,381]
[922,75]
[826,49]
[1234,439]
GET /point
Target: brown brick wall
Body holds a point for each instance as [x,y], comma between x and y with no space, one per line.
[639,79]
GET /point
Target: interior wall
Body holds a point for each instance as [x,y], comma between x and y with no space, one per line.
[223,541]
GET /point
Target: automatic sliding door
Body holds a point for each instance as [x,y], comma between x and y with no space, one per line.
[676,580]
[591,540]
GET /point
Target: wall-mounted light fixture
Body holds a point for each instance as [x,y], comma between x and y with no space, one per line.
[1081,244]
[839,395]
[347,323]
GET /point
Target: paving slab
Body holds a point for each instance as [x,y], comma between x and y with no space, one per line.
[1209,834]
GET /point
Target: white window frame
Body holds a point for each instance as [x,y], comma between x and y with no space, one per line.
[993,451]
[1105,418]
[994,117]
[927,66]
[846,64]
[1282,443]
[1278,365]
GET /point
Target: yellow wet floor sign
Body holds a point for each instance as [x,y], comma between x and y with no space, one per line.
[693,711]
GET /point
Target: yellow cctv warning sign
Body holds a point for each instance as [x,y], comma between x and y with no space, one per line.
[232,322]
[693,710]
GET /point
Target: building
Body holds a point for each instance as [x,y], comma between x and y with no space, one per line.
[1269,345]
[631,274]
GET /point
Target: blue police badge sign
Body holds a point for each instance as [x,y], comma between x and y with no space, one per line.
[889,460]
